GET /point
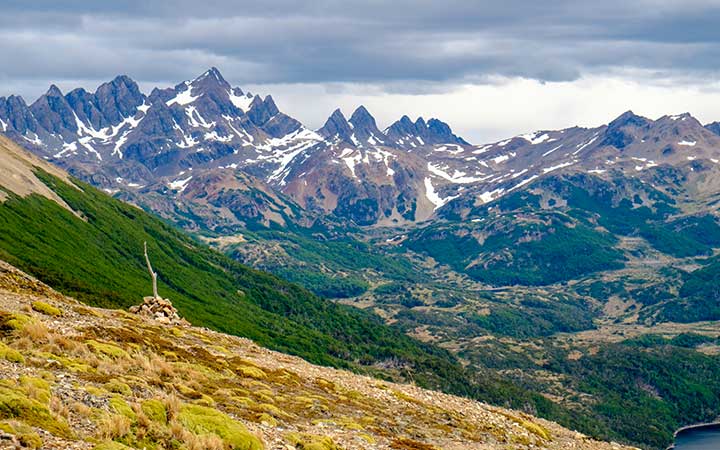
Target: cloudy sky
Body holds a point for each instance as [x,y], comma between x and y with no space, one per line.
[490,68]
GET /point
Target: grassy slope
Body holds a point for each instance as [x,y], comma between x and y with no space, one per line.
[182,388]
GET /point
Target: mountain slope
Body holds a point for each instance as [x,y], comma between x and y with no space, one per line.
[90,378]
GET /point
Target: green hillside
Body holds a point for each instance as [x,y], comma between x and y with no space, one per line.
[99,260]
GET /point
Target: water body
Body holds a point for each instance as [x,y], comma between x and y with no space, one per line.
[702,438]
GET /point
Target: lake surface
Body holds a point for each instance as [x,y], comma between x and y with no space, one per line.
[705,438]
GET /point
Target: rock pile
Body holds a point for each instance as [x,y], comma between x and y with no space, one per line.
[160,309]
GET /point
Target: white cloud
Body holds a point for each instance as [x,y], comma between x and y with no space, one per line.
[490,112]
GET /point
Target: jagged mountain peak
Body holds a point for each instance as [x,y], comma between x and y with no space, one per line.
[438,125]
[404,126]
[118,99]
[337,115]
[443,134]
[212,72]
[16,116]
[262,109]
[53,113]
[336,126]
[210,80]
[364,127]
[269,103]
[629,118]
[680,119]
[121,84]
[256,102]
[714,127]
[624,129]
[420,132]
[361,116]
[53,91]
[78,92]
[16,100]
[240,93]
[120,80]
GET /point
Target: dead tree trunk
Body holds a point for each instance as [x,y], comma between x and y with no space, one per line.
[152,273]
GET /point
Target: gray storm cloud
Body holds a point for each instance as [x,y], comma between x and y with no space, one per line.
[350,41]
[408,47]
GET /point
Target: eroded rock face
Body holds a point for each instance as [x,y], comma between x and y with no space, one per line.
[160,309]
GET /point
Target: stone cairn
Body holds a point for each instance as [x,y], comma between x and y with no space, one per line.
[159,309]
[156,307]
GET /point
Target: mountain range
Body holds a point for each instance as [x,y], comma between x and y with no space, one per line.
[240,160]
[188,136]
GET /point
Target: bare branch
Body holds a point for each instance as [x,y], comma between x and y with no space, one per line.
[153,274]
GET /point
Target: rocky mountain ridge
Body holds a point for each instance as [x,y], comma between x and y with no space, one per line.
[122,140]
[155,149]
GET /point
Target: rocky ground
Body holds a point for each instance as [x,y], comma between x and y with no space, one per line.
[75,377]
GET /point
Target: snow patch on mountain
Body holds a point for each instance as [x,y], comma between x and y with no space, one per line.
[283,153]
[489,196]
[524,182]
[559,166]
[118,145]
[351,161]
[187,140]
[536,137]
[85,142]
[35,139]
[585,145]
[67,150]
[434,197]
[180,184]
[481,150]
[214,136]
[452,149]
[503,158]
[196,120]
[183,98]
[457,177]
[241,102]
[552,150]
